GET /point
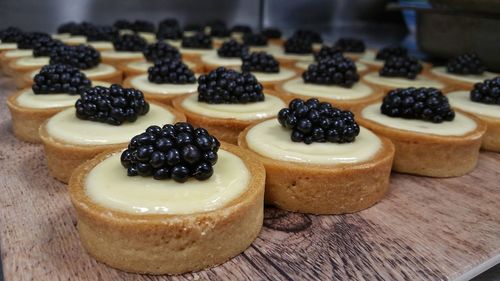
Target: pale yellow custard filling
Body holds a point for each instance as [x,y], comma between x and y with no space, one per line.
[145,65]
[148,36]
[357,91]
[460,126]
[283,74]
[101,45]
[369,57]
[194,51]
[18,53]
[214,59]
[400,82]
[99,70]
[461,100]
[32,61]
[65,126]
[74,40]
[7,46]
[280,54]
[271,140]
[305,65]
[112,54]
[441,71]
[249,111]
[108,185]
[142,83]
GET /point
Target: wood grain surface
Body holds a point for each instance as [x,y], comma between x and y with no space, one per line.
[426,229]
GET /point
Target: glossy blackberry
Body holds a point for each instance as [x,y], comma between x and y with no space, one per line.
[224,85]
[232,49]
[350,45]
[68,27]
[45,46]
[130,42]
[59,78]
[271,33]
[171,33]
[327,52]
[466,64]
[101,33]
[426,104]
[160,50]
[10,34]
[220,32]
[171,71]
[260,62]
[80,56]
[254,39]
[240,28]
[193,27]
[177,152]
[197,41]
[143,26]
[487,91]
[391,51]
[407,67]
[169,22]
[309,35]
[113,105]
[296,45]
[313,121]
[29,39]
[82,28]
[123,24]
[335,71]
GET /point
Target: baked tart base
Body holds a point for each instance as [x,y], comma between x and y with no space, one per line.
[491,139]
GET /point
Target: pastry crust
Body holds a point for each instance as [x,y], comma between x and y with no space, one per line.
[491,139]
[455,84]
[160,98]
[5,63]
[19,70]
[128,71]
[116,62]
[431,155]
[385,88]
[63,158]
[169,244]
[326,189]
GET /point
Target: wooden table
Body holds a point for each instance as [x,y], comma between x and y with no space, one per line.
[426,229]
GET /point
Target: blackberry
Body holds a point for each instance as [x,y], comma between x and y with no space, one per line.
[351,45]
[123,24]
[314,121]
[296,45]
[309,35]
[259,62]
[80,28]
[193,27]
[101,33]
[28,40]
[171,71]
[407,67]
[45,46]
[335,71]
[169,22]
[391,51]
[426,104]
[130,42]
[254,39]
[143,26]
[197,41]
[113,105]
[80,56]
[487,92]
[272,33]
[10,34]
[241,28]
[466,64]
[327,52]
[68,27]
[220,32]
[176,151]
[59,78]
[160,50]
[172,33]
[232,49]
[224,85]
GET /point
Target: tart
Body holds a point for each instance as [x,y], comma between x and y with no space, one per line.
[431,139]
[193,47]
[266,69]
[320,173]
[361,68]
[139,67]
[127,48]
[7,57]
[274,36]
[228,55]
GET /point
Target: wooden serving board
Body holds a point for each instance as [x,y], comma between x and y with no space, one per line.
[425,229]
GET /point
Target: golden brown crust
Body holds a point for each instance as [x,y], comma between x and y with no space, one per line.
[169,244]
[385,89]
[164,99]
[326,189]
[128,71]
[116,62]
[19,70]
[456,85]
[431,155]
[63,158]
[4,63]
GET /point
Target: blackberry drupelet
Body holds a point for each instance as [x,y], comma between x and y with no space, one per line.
[260,62]
[45,46]
[28,40]
[254,39]
[160,50]
[169,22]
[80,56]
[272,33]
[113,105]
[314,121]
[426,104]
[232,49]
[10,34]
[327,52]
[309,35]
[296,45]
[487,91]
[172,33]
[335,71]
[391,51]
[176,151]
[224,85]
[59,78]
[351,45]
[130,42]
[466,64]
[220,32]
[171,71]
[407,67]
[197,41]
[241,28]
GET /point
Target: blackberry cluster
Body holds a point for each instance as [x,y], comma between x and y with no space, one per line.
[130,42]
[101,33]
[160,50]
[123,24]
[407,67]
[272,33]
[309,35]
[59,78]
[169,23]
[197,41]
[219,31]
[80,56]
[327,52]
[335,71]
[314,121]
[391,51]
[254,39]
[487,92]
[45,46]
[68,27]
[176,151]
[224,85]
[297,45]
[259,62]
[29,39]
[352,45]
[171,71]
[232,49]
[241,29]
[426,104]
[172,33]
[113,105]
[10,34]
[193,27]
[73,28]
[143,26]
[466,64]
